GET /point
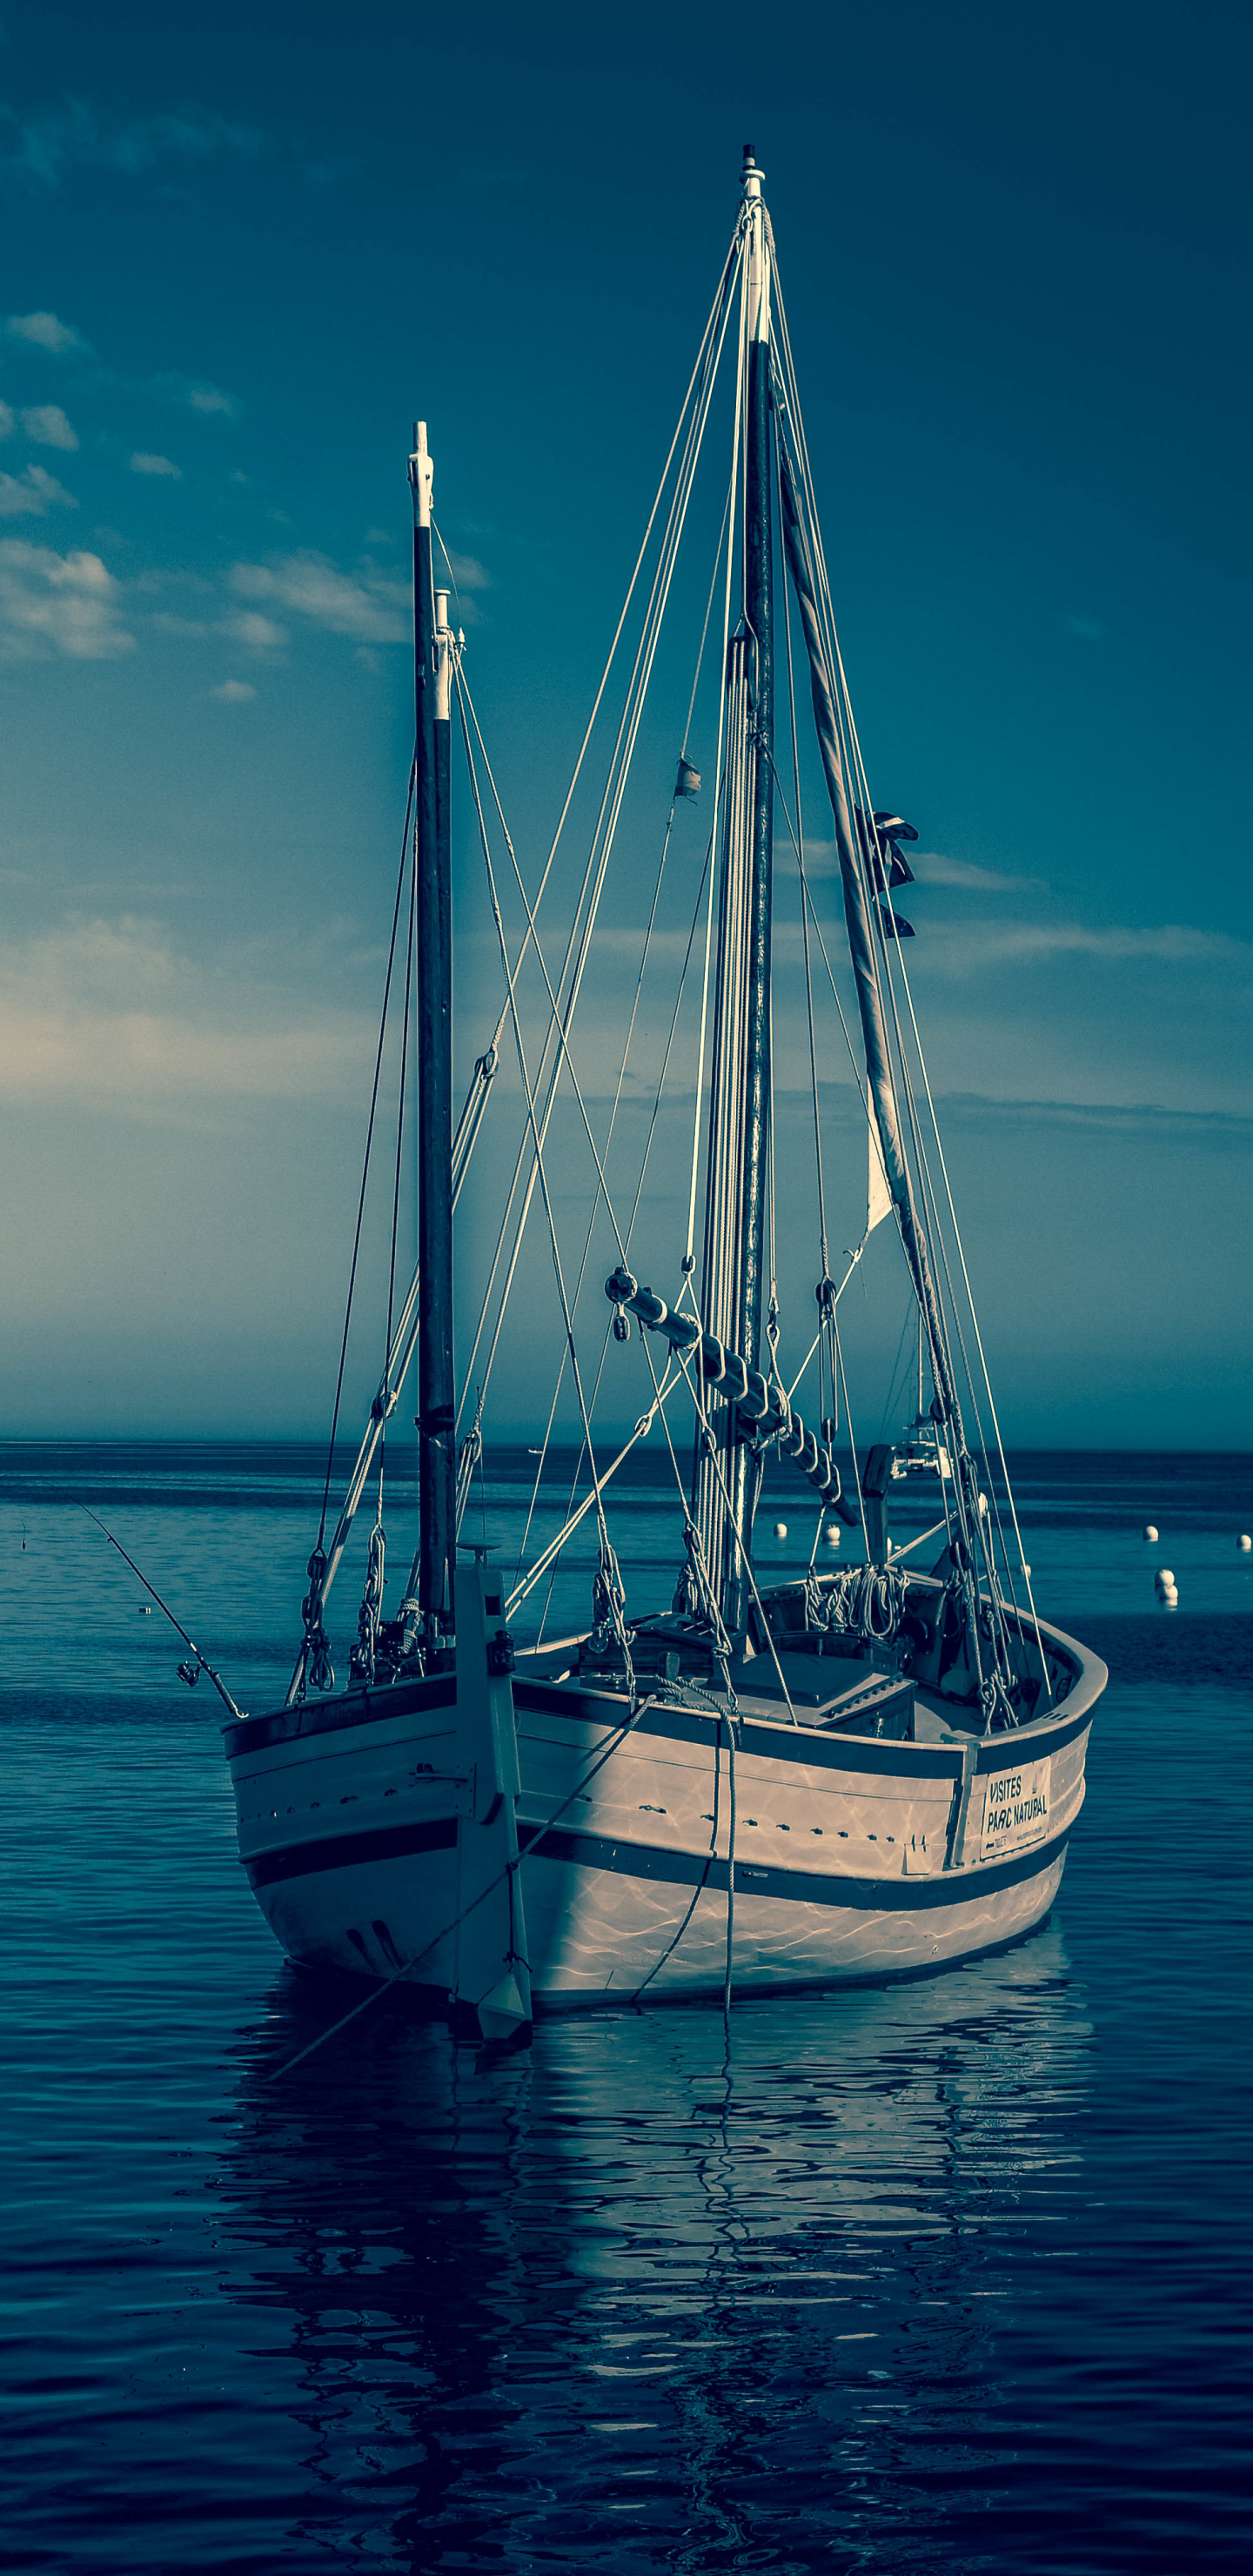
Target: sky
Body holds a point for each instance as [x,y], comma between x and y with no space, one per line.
[241,251]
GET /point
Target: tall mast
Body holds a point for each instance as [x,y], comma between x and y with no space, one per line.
[759,616]
[433,924]
[739,1114]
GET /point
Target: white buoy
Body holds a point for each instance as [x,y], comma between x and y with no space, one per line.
[1150,1533]
[832,1535]
[780,1529]
[1168,1589]
[1244,1542]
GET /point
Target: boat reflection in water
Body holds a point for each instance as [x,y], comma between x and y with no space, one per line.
[633,2295]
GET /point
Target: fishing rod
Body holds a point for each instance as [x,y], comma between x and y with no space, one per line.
[189,1672]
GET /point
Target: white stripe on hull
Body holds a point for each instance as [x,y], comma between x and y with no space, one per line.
[597,1927]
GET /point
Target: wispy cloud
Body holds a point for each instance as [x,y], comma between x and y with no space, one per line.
[367,605]
[934,868]
[233,693]
[41,150]
[47,331]
[145,462]
[193,393]
[210,398]
[468,573]
[111,1009]
[967,947]
[1100,1117]
[260,634]
[31,495]
[58,604]
[47,426]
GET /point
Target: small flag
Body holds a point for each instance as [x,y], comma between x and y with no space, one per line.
[895,925]
[688,781]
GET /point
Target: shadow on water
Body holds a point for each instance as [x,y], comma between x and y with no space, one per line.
[629,2299]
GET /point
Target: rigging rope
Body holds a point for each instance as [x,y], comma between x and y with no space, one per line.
[569,981]
[365,1167]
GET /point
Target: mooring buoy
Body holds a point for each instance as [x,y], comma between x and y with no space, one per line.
[1150,1533]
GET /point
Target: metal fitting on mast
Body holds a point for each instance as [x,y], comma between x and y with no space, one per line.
[421,476]
[757,278]
[444,651]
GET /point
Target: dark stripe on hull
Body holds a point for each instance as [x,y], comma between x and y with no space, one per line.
[677,1868]
[348,1851]
[346,1709]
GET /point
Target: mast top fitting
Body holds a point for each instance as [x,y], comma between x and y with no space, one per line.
[421,474]
[751,176]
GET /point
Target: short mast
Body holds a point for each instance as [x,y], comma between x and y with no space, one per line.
[433,924]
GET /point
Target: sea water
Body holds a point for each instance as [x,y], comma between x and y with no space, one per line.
[943,2276]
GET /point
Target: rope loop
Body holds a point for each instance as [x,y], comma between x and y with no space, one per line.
[370,1615]
[319,1672]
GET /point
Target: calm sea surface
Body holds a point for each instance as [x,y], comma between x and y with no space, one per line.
[946,2276]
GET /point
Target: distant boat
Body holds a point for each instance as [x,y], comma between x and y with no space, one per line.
[756,1785]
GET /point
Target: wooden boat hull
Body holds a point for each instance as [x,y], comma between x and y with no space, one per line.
[854,1858]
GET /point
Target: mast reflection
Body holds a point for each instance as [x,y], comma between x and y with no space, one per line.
[630,2286]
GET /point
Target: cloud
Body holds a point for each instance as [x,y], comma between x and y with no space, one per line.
[142,462]
[47,425]
[260,634]
[963,948]
[933,868]
[210,398]
[233,692]
[366,605]
[468,573]
[1214,1127]
[31,495]
[41,149]
[111,1009]
[46,331]
[51,603]
[8,420]
[192,393]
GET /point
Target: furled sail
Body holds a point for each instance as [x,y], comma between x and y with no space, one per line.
[878,1195]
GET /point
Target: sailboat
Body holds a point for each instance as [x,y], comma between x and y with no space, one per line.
[870,1769]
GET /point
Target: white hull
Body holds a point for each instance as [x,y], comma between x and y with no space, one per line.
[854,1858]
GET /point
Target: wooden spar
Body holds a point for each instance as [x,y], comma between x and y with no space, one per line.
[436,1398]
[725,1493]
